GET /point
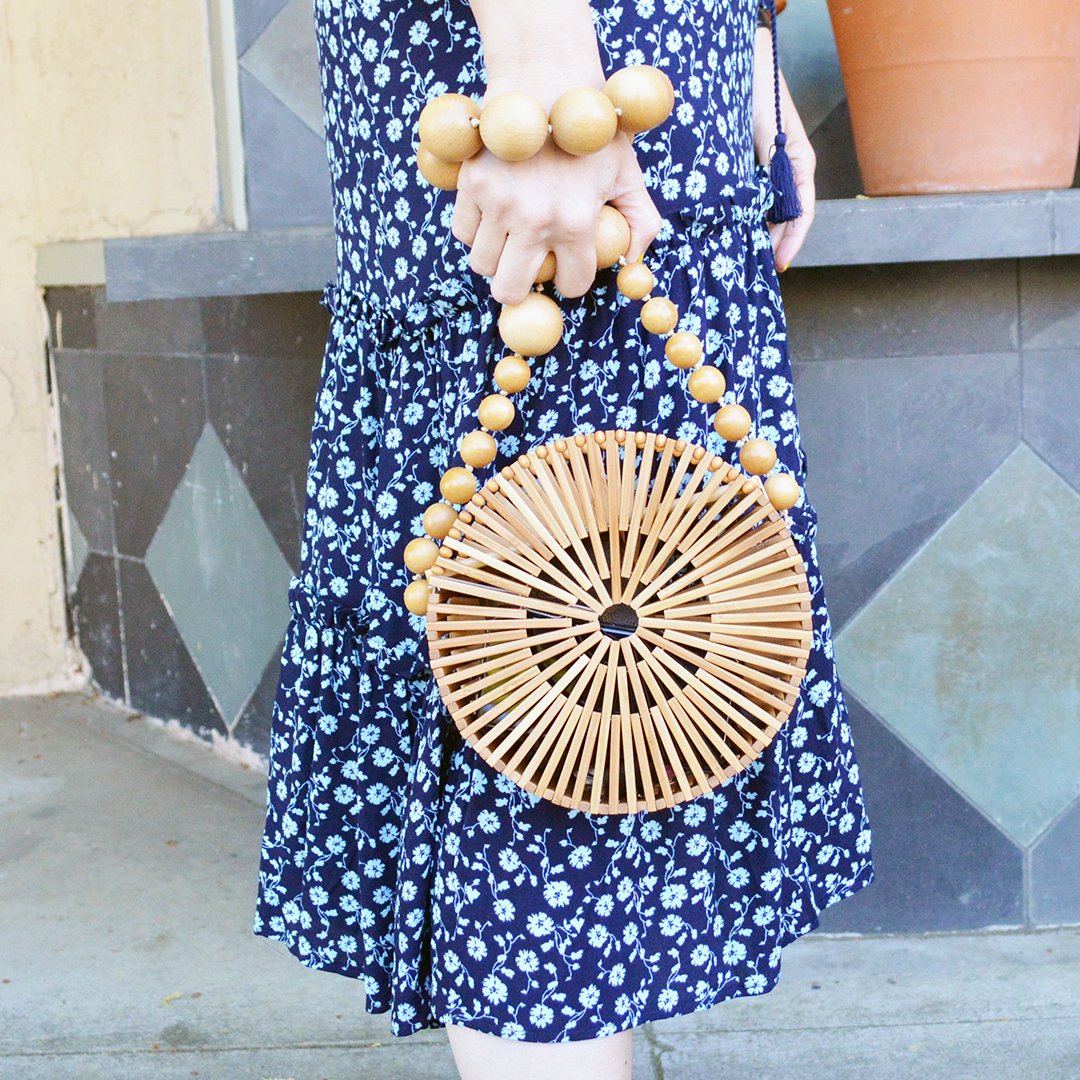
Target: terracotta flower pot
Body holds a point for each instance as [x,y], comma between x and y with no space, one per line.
[961,95]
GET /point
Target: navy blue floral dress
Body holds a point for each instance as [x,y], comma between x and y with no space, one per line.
[392,854]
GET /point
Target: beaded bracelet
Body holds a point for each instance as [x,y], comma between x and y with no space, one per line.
[514,125]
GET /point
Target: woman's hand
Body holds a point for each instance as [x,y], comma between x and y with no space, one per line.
[788,237]
[513,213]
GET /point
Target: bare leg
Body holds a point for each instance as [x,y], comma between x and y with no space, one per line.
[487,1057]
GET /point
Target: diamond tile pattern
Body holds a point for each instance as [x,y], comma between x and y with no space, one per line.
[162,678]
[939,864]
[285,59]
[972,652]
[288,178]
[1055,892]
[885,472]
[221,575]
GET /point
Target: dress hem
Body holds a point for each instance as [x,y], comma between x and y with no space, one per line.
[649,1016]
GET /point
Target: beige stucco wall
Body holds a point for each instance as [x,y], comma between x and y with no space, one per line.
[106,129]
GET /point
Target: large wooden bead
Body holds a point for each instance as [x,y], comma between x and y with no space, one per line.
[446,128]
[612,237]
[439,519]
[496,412]
[440,174]
[783,490]
[583,121]
[635,281]
[512,374]
[683,350]
[417,595]
[659,315]
[643,95]
[757,456]
[732,422]
[707,384]
[547,269]
[513,125]
[420,554]
[532,327]
[457,485]
[478,449]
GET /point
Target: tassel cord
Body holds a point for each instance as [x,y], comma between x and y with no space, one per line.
[787,206]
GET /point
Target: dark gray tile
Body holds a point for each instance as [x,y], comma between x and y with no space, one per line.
[162,678]
[939,864]
[282,326]
[1052,409]
[1055,873]
[931,309]
[288,179]
[84,445]
[253,724]
[150,326]
[155,414]
[72,316]
[894,447]
[262,411]
[1050,303]
[252,18]
[96,611]
[837,174]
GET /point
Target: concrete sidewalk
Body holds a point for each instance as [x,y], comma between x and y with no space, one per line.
[127,878]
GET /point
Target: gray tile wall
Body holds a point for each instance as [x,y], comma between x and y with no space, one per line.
[923,391]
[927,391]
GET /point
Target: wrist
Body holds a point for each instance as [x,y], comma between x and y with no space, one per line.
[540,49]
[545,77]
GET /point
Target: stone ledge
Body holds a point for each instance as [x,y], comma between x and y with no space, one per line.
[941,228]
[220,264]
[847,232]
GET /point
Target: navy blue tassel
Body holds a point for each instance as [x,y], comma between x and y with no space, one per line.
[787,206]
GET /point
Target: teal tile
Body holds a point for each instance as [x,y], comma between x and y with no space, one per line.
[971,654]
[221,575]
[77,551]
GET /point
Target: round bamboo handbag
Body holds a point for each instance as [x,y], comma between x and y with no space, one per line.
[619,621]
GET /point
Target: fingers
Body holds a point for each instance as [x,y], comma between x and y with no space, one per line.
[642,217]
[575,263]
[487,248]
[631,198]
[788,238]
[466,218]
[517,269]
